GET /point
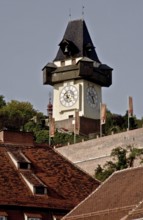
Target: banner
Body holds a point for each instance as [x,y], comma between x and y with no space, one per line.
[130,107]
[103,114]
[77,122]
[52,127]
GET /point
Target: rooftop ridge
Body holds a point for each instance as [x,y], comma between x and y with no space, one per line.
[98,212]
[135,210]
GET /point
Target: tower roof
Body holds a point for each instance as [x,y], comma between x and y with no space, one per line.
[76,42]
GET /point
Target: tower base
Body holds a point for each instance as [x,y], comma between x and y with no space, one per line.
[87,126]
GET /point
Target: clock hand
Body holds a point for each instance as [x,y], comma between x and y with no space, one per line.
[92,97]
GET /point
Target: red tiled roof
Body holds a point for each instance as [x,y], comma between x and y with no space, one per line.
[66,184]
[3,213]
[136,212]
[119,197]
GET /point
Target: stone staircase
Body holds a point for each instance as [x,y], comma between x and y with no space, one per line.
[88,154]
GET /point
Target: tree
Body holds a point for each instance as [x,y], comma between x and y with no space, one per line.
[114,123]
[2,101]
[132,120]
[117,123]
[14,115]
[123,158]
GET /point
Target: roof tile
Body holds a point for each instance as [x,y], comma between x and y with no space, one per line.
[66,184]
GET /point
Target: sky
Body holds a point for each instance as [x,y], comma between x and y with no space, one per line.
[30,31]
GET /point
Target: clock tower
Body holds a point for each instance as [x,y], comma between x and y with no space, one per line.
[77,77]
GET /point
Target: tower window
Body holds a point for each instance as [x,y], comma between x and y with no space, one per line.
[73,61]
[70,116]
[62,63]
[68,48]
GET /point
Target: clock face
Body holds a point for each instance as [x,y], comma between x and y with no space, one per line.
[92,97]
[68,96]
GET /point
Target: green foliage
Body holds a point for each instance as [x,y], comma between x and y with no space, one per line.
[42,136]
[14,115]
[134,153]
[139,123]
[132,120]
[119,154]
[117,123]
[17,115]
[123,158]
[102,174]
[2,101]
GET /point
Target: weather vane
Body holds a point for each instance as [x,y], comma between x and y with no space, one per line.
[70,14]
[83,11]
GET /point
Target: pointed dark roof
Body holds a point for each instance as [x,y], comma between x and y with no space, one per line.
[78,39]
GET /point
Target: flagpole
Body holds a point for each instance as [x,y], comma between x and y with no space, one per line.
[128,128]
[128,121]
[50,111]
[100,122]
[130,110]
[74,133]
[49,130]
[100,129]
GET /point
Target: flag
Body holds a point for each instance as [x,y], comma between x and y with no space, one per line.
[103,114]
[130,107]
[77,122]
[52,127]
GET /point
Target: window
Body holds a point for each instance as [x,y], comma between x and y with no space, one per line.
[34,183]
[70,116]
[3,215]
[62,63]
[24,165]
[73,61]
[3,218]
[40,190]
[32,216]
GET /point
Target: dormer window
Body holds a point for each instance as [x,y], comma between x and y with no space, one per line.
[68,48]
[24,165]
[20,160]
[34,183]
[88,49]
[41,190]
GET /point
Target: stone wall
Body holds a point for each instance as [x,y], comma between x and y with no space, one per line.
[87,155]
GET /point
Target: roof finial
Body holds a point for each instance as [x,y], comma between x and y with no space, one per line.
[70,14]
[83,11]
[50,97]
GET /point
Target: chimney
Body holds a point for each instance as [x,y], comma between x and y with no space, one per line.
[16,137]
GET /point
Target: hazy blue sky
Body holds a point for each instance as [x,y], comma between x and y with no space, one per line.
[30,31]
